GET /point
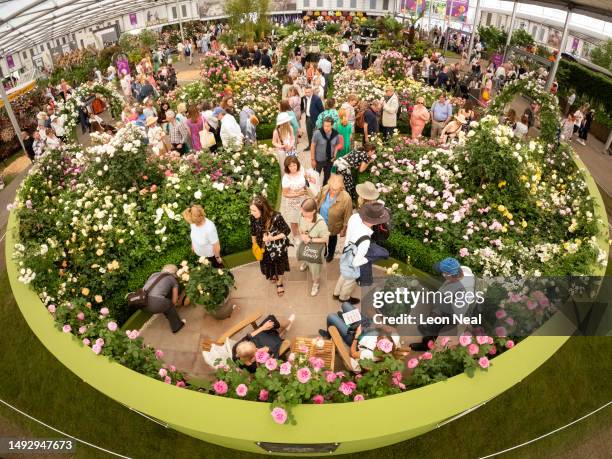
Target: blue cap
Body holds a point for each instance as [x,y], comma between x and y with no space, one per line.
[449,266]
[217,111]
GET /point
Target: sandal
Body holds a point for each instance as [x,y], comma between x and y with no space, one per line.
[280,290]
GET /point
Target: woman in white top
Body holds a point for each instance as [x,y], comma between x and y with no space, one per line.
[521,128]
[283,139]
[204,239]
[294,192]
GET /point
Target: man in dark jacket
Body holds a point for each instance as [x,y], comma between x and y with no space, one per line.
[256,56]
[28,141]
[312,106]
[266,61]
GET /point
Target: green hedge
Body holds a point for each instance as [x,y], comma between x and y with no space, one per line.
[422,256]
[597,88]
[264,131]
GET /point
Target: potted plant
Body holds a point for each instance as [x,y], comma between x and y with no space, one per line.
[208,287]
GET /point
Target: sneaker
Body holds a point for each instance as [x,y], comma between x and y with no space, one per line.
[303,267]
[315,290]
[324,334]
[336,297]
[351,300]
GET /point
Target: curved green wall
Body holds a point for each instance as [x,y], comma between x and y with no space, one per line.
[241,424]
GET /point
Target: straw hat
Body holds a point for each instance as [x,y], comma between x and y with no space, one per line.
[151,120]
[368,191]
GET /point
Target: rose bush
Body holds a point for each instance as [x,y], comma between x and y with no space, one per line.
[259,89]
[215,71]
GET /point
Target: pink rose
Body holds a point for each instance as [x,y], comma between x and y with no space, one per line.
[263,395]
[430,344]
[473,349]
[426,356]
[500,331]
[385,345]
[51,308]
[303,375]
[180,384]
[493,351]
[220,387]
[82,329]
[358,398]
[159,354]
[67,328]
[163,372]
[346,388]
[330,376]
[279,415]
[112,326]
[463,252]
[464,340]
[104,312]
[303,349]
[285,368]
[100,341]
[318,399]
[132,334]
[241,390]
[510,321]
[489,340]
[96,348]
[291,357]
[413,363]
[86,342]
[531,305]
[271,364]
[483,362]
[172,368]
[482,339]
[509,344]
[167,380]
[443,341]
[316,362]
[81,315]
[500,314]
[261,356]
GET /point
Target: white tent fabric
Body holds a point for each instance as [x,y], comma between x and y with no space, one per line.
[27,23]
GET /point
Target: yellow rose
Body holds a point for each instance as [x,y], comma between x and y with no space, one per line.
[98,298]
[85,291]
[501,208]
[99,252]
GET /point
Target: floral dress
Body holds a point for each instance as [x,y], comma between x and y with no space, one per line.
[269,266]
[345,167]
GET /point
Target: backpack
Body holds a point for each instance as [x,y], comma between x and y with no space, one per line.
[139,298]
[360,119]
[347,270]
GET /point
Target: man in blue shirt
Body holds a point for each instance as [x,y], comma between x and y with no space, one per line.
[441,114]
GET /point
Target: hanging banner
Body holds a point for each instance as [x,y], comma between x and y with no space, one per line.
[414,7]
[133,19]
[9,61]
[457,8]
[575,43]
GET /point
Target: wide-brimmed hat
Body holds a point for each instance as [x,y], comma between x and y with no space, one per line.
[374,213]
[461,119]
[151,120]
[368,191]
[283,118]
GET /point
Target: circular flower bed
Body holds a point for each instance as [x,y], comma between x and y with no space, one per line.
[259,89]
[70,109]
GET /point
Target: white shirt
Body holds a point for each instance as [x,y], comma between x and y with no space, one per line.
[501,71]
[354,230]
[325,65]
[571,99]
[520,130]
[308,99]
[203,238]
[58,126]
[231,135]
[294,182]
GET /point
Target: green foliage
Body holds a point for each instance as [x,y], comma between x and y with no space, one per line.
[206,286]
[332,28]
[493,38]
[248,18]
[521,38]
[591,86]
[602,55]
[265,131]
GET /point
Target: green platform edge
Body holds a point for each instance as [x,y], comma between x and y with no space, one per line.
[241,424]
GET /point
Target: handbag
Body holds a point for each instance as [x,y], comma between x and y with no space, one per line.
[139,298]
[258,252]
[207,139]
[311,252]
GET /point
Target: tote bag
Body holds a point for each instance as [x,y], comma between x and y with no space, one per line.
[207,139]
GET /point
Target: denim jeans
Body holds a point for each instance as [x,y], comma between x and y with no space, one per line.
[338,322]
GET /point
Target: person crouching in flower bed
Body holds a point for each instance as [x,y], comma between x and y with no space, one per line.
[163,296]
[204,238]
[357,159]
[266,339]
[270,232]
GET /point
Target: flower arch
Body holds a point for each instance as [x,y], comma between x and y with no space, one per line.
[527,86]
[326,43]
[70,109]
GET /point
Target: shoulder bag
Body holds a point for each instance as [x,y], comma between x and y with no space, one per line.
[139,298]
[207,139]
[313,251]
